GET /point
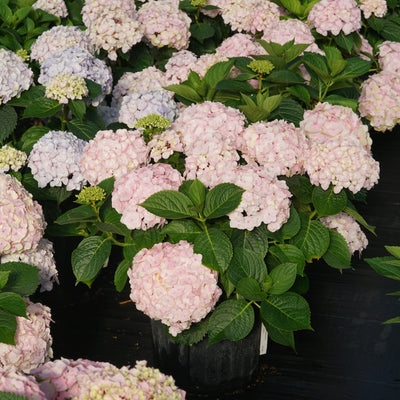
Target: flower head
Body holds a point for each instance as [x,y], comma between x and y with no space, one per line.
[90,194]
[55,7]
[389,56]
[13,381]
[65,87]
[240,45]
[11,158]
[178,66]
[261,66]
[169,283]
[373,7]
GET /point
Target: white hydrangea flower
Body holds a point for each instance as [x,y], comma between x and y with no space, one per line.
[54,7]
[11,158]
[66,87]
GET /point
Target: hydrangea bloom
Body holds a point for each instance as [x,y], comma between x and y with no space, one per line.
[163,145]
[333,16]
[366,52]
[348,227]
[342,164]
[178,66]
[55,7]
[112,25]
[77,61]
[277,145]
[169,283]
[90,380]
[375,7]
[206,61]
[113,154]
[137,105]
[389,57]
[57,39]
[12,381]
[327,121]
[32,340]
[41,257]
[65,87]
[240,45]
[21,219]
[110,114]
[15,76]
[164,24]
[55,159]
[379,100]
[249,15]
[148,79]
[11,158]
[136,186]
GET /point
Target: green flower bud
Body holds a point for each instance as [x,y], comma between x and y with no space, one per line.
[261,66]
[91,194]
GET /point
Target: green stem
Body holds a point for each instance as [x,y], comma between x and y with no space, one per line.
[64,116]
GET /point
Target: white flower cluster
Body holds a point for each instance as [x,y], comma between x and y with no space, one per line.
[55,7]
[65,87]
[11,158]
[15,76]
[77,61]
[55,160]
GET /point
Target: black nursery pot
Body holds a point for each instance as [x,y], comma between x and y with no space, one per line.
[223,367]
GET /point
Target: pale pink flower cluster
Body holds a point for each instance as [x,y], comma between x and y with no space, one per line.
[206,61]
[54,7]
[276,145]
[240,45]
[113,154]
[112,25]
[379,100]
[136,186]
[335,16]
[327,121]
[375,7]
[150,78]
[77,61]
[364,48]
[55,158]
[41,257]
[389,57]
[249,15]
[33,340]
[22,222]
[57,39]
[15,76]
[90,380]
[178,66]
[135,106]
[169,283]
[13,381]
[164,24]
[348,227]
[163,145]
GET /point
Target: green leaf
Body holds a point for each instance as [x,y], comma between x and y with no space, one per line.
[197,192]
[185,91]
[354,213]
[23,278]
[216,249]
[11,396]
[182,229]
[218,72]
[4,278]
[335,99]
[355,67]
[194,334]
[120,276]
[107,184]
[8,327]
[94,88]
[293,6]
[300,92]
[285,338]
[338,253]
[254,113]
[13,304]
[42,108]
[141,240]
[232,320]
[83,129]
[255,240]
[81,213]
[295,50]
[285,77]
[318,64]
[270,103]
[169,204]
[31,136]
[387,266]
[391,31]
[283,277]
[201,31]
[289,110]
[288,311]
[112,222]
[5,12]
[287,253]
[395,320]
[27,97]
[8,118]
[78,108]
[246,264]
[250,289]
[335,60]
[327,202]
[345,42]
[312,239]
[301,188]
[235,85]
[221,200]
[393,250]
[89,257]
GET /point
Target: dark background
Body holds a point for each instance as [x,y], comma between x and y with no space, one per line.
[350,354]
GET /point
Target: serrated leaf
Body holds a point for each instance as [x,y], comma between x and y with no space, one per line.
[354,213]
[254,113]
[185,91]
[94,88]
[141,239]
[255,240]
[81,213]
[338,253]
[13,303]
[250,289]
[335,60]
[3,278]
[327,202]
[11,396]
[288,311]
[31,136]
[345,42]
[23,278]
[393,250]
[342,101]
[232,320]
[8,118]
[194,334]
[285,338]
[8,327]
[218,72]
[395,320]
[215,248]
[300,92]
[83,129]
[112,222]
[89,257]
[289,110]
[285,77]
[283,277]
[78,108]
[391,31]
[182,229]
[287,253]
[221,200]
[301,187]
[318,64]
[385,266]
[42,108]
[27,97]
[289,229]
[201,31]
[355,67]
[121,274]
[197,192]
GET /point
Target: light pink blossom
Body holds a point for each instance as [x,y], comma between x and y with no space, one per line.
[178,66]
[55,7]
[373,7]
[13,381]
[389,57]
[240,45]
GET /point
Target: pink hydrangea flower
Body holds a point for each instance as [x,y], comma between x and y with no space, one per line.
[169,283]
[112,25]
[41,257]
[375,7]
[240,45]
[55,7]
[341,163]
[22,222]
[379,100]
[206,61]
[57,39]
[277,145]
[32,340]
[90,380]
[364,48]
[335,16]
[178,66]
[348,227]
[164,24]
[113,154]
[162,146]
[55,158]
[389,57]
[136,186]
[327,121]
[13,381]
